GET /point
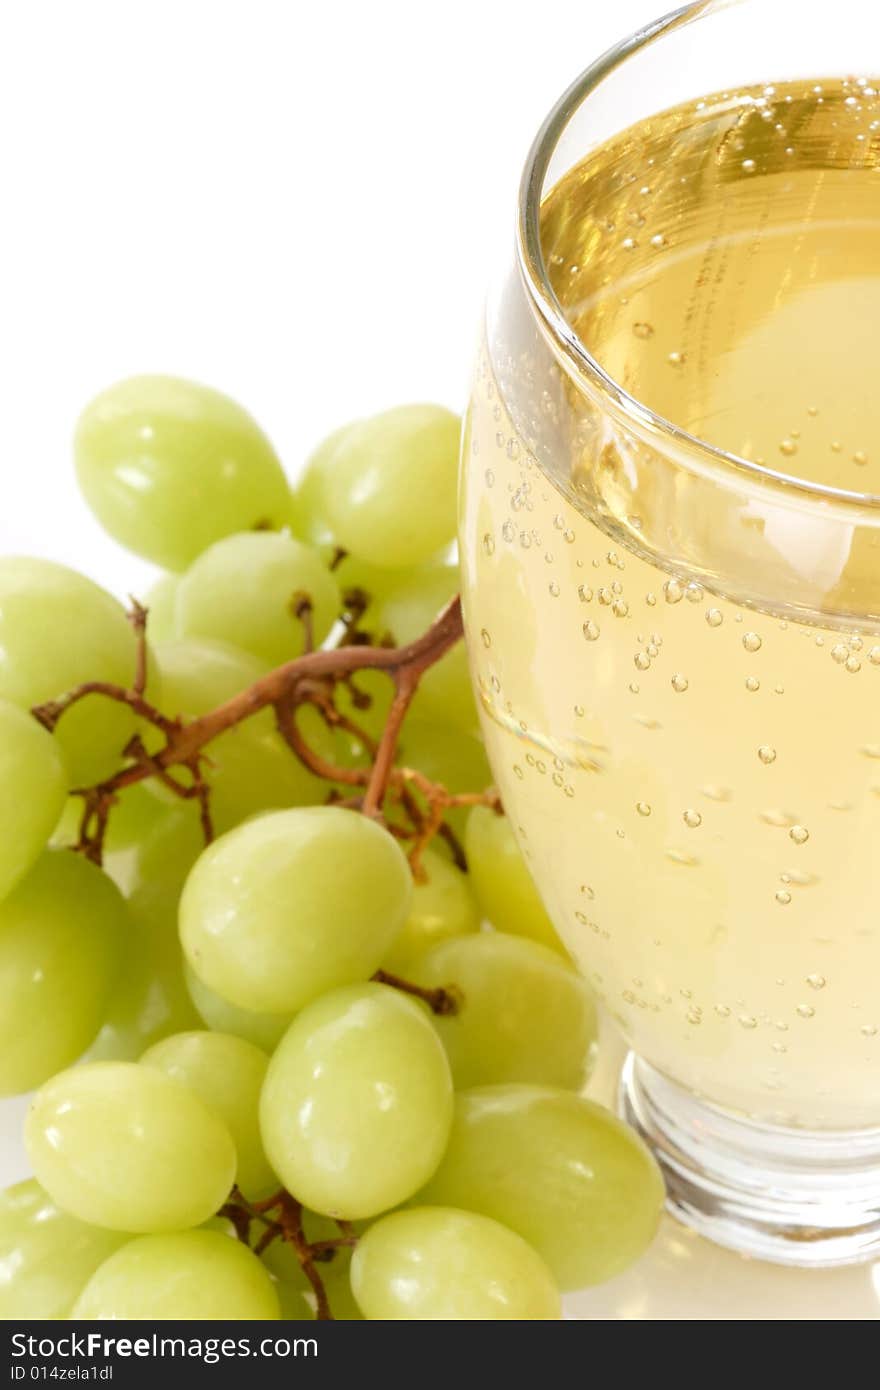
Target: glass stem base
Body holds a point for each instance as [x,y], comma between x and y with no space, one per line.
[792,1196]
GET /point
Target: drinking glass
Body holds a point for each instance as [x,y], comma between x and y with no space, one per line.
[670,538]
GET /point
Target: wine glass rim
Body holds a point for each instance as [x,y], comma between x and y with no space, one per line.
[536,277]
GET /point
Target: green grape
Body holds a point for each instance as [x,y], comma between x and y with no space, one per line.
[445,691]
[356,1107]
[251,768]
[226,1073]
[151,1000]
[387,488]
[526,1014]
[439,1264]
[442,907]
[33,779]
[62,931]
[298,1301]
[292,904]
[501,880]
[190,1275]
[450,756]
[561,1171]
[169,467]
[57,630]
[123,1146]
[307,515]
[160,603]
[263,1030]
[245,590]
[46,1256]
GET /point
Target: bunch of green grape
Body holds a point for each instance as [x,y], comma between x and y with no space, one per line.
[221,1023]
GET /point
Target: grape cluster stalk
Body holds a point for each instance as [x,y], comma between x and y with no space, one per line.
[306,680]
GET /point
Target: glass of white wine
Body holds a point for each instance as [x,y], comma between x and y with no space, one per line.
[671,552]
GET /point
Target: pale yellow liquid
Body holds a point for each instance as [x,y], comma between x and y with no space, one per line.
[696,783]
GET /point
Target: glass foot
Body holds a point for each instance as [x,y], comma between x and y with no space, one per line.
[796,1197]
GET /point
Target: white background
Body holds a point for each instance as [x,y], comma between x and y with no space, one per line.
[302,203]
[299,202]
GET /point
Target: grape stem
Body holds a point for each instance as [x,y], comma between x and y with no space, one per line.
[309,679]
[282,1217]
[443,1001]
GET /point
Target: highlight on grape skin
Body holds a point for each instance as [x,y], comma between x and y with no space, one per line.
[268,948]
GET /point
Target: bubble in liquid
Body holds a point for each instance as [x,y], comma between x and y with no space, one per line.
[585,593]
[605,597]
[714,617]
[579,711]
[679,683]
[874,656]
[717,793]
[559,522]
[508,531]
[805,1011]
[752,683]
[767,754]
[783,897]
[518,772]
[692,819]
[620,608]
[643,330]
[694,593]
[722,1011]
[752,642]
[591,631]
[816,981]
[634,688]
[749,166]
[694,1016]
[673,591]
[676,359]
[490,478]
[799,833]
[836,446]
[642,661]
[643,808]
[486,639]
[651,599]
[852,664]
[747,1021]
[839,653]
[489,543]
[868,1030]
[652,649]
[860,457]
[568,536]
[553,589]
